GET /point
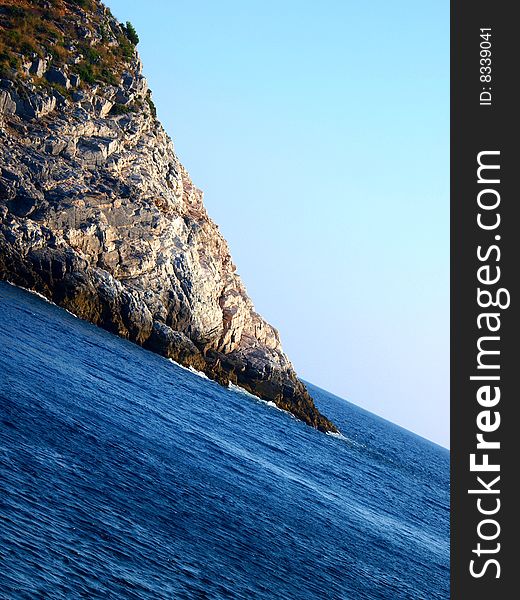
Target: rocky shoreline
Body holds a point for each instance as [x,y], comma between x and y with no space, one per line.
[98,215]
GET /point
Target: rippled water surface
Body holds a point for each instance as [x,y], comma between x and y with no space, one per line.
[123,475]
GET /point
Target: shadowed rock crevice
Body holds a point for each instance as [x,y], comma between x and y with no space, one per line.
[98,215]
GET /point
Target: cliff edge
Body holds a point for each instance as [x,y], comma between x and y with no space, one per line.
[98,214]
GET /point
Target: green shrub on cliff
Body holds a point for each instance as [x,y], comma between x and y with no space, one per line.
[86,72]
[131,33]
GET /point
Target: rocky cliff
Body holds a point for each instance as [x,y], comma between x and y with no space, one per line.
[98,214]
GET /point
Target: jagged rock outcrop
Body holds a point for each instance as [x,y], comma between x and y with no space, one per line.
[98,214]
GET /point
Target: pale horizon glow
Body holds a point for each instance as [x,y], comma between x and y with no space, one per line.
[320,136]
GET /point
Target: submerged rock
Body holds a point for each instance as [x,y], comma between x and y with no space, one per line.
[99,215]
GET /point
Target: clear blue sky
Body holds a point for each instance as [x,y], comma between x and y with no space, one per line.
[319,133]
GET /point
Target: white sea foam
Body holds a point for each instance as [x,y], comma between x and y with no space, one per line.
[240,390]
[198,373]
[35,293]
[270,403]
[338,434]
[273,405]
[177,364]
[190,369]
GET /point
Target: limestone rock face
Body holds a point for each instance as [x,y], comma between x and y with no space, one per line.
[98,214]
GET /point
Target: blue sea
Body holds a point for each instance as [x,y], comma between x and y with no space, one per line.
[123,475]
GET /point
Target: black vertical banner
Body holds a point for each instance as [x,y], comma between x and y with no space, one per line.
[485,247]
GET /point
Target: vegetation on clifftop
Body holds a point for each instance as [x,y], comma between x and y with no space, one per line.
[81,34]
